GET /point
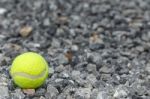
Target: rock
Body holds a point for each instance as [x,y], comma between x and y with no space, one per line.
[51,70]
[42,97]
[25,31]
[18,94]
[64,75]
[11,85]
[3,80]
[46,22]
[92,79]
[105,69]
[2,60]
[83,93]
[91,68]
[60,32]
[2,11]
[58,80]
[32,45]
[94,58]
[121,92]
[74,48]
[34,97]
[2,37]
[61,96]
[30,92]
[75,74]
[81,65]
[102,95]
[40,91]
[72,32]
[148,68]
[138,88]
[52,92]
[140,48]
[96,42]
[55,43]
[71,82]
[69,97]
[94,93]
[37,4]
[106,77]
[4,94]
[68,93]
[96,46]
[62,59]
[60,68]
[136,24]
[63,20]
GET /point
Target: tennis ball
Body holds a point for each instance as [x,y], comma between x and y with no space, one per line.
[29,70]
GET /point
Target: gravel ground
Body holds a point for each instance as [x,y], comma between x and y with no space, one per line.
[99,49]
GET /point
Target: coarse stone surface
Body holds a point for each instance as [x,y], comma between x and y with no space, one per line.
[99,49]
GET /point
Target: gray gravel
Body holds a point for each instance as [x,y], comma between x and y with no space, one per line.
[99,49]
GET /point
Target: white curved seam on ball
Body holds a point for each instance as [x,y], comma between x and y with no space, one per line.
[23,74]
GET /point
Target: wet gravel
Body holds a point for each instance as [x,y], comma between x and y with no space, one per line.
[99,49]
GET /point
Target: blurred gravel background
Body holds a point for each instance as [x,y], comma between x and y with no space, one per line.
[99,49]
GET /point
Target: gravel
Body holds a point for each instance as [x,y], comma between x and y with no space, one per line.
[4,93]
[99,49]
[52,92]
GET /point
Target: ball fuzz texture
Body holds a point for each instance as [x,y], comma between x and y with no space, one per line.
[29,70]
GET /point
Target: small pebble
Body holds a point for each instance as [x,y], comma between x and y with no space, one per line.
[30,92]
[62,59]
[74,48]
[121,92]
[4,93]
[52,92]
[2,11]
[25,31]
[83,93]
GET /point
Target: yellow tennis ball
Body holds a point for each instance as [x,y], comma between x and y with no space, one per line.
[29,70]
